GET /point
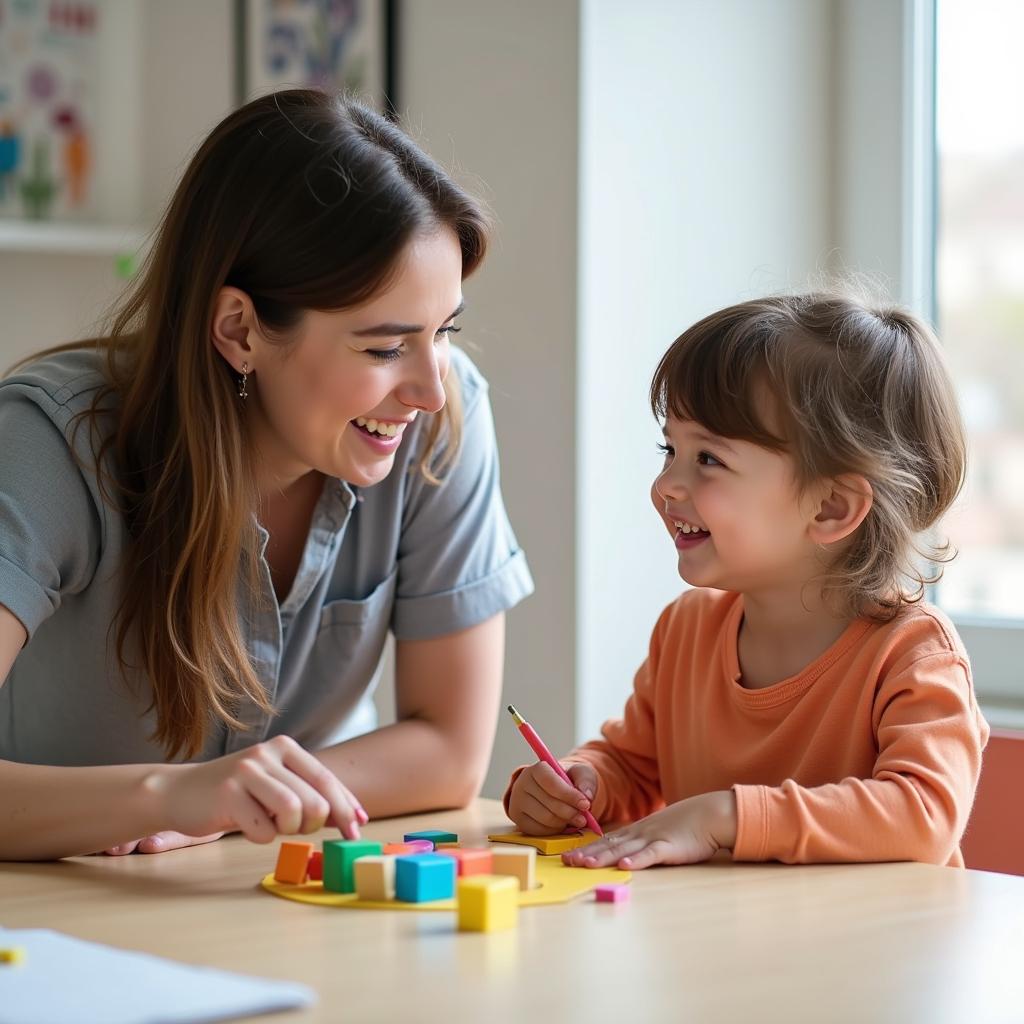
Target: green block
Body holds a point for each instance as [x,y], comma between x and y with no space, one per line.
[339,856]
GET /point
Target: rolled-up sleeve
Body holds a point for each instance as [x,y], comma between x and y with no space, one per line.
[458,560]
[49,524]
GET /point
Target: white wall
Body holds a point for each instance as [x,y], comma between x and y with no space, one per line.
[705,172]
[493,86]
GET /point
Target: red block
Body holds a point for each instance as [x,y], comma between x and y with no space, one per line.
[316,866]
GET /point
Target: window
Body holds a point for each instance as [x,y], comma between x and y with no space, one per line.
[979,293]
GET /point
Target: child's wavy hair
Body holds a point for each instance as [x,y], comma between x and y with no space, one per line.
[856,388]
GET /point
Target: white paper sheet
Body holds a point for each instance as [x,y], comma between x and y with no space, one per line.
[70,981]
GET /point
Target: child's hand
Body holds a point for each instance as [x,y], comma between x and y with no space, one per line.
[542,804]
[682,833]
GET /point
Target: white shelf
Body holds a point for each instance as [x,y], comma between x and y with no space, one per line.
[65,237]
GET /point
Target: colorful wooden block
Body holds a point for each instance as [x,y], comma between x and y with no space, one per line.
[339,856]
[293,862]
[402,849]
[375,877]
[420,846]
[425,877]
[316,866]
[612,892]
[446,846]
[434,835]
[547,845]
[15,955]
[470,861]
[518,861]
[488,903]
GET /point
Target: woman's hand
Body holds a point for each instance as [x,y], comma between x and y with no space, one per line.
[161,842]
[542,804]
[270,789]
[686,832]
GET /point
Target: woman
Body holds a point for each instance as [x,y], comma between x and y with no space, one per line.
[210,518]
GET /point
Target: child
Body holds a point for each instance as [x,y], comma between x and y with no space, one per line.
[801,704]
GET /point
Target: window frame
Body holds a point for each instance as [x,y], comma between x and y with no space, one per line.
[995,645]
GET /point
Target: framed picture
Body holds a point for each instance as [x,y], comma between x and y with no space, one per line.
[49,85]
[338,45]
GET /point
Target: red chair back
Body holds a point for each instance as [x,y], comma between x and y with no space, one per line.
[994,840]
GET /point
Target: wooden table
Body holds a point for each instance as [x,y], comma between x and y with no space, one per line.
[715,942]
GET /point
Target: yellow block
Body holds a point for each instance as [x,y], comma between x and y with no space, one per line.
[556,883]
[520,861]
[375,877]
[548,845]
[12,956]
[488,903]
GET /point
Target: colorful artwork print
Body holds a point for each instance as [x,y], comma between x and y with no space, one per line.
[336,45]
[48,70]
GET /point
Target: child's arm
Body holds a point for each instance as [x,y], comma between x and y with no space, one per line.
[625,779]
[914,807]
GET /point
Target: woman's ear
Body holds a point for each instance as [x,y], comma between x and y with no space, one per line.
[844,503]
[230,325]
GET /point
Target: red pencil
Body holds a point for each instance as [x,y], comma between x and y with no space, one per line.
[541,750]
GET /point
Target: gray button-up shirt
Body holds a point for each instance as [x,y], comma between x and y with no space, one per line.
[403,555]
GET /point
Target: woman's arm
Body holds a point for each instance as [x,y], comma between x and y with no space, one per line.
[270,789]
[436,755]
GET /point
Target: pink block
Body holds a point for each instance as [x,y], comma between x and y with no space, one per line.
[420,846]
[612,892]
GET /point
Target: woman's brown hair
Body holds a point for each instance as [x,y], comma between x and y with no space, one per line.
[304,201]
[853,388]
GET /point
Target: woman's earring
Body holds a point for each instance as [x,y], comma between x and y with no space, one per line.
[243,383]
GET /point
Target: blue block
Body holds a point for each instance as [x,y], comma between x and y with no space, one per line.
[424,877]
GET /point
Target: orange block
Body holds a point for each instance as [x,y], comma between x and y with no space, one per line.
[399,849]
[316,866]
[469,861]
[293,862]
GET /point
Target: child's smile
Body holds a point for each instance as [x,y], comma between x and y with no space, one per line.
[688,535]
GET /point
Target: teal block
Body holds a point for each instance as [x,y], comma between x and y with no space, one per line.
[424,877]
[434,835]
[339,856]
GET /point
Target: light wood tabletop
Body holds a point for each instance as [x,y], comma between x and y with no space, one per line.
[713,942]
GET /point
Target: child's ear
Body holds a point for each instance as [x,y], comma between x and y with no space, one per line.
[844,503]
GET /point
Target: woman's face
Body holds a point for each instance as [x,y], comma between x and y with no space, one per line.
[339,397]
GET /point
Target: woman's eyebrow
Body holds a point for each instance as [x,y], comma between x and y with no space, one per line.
[399,330]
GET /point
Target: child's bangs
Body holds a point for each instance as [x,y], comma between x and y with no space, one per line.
[718,376]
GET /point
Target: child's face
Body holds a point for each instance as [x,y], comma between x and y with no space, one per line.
[734,511]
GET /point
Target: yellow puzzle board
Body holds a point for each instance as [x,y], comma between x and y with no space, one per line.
[546,844]
[556,883]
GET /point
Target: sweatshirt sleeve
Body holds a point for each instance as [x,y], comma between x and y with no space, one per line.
[930,736]
[625,758]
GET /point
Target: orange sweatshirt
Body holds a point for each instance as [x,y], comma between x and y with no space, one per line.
[871,753]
